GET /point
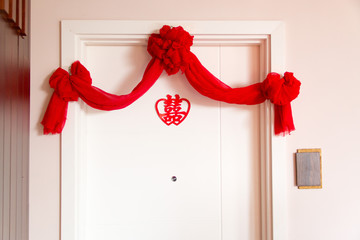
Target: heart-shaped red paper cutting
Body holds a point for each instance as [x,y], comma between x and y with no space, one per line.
[172,110]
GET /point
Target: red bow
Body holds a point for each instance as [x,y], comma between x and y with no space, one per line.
[170,50]
[281,91]
[62,83]
[172,47]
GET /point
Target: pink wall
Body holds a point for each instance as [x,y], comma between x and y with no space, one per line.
[322,48]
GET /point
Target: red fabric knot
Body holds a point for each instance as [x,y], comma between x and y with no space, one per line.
[280,91]
[172,47]
[61,81]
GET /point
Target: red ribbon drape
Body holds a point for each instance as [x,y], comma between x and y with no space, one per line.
[170,50]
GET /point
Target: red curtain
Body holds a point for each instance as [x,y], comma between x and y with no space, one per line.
[170,51]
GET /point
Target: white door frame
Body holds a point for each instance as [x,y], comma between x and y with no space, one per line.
[269,35]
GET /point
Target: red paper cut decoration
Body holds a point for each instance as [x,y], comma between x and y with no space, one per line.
[172,109]
[170,51]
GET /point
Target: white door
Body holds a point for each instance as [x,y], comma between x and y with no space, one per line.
[137,178]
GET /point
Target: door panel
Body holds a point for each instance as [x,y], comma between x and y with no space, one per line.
[240,179]
[130,155]
[240,148]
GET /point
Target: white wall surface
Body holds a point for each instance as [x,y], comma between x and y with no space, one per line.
[322,48]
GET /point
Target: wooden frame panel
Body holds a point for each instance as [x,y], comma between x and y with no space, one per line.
[14,133]
[4,7]
[15,12]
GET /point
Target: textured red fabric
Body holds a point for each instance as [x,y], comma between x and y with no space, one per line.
[172,47]
[280,91]
[170,51]
[78,84]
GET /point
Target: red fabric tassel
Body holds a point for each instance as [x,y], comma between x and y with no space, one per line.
[283,120]
[55,115]
[281,91]
[170,50]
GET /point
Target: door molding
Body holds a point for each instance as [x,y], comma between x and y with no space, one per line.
[269,35]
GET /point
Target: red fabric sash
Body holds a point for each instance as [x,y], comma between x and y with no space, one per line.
[170,51]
